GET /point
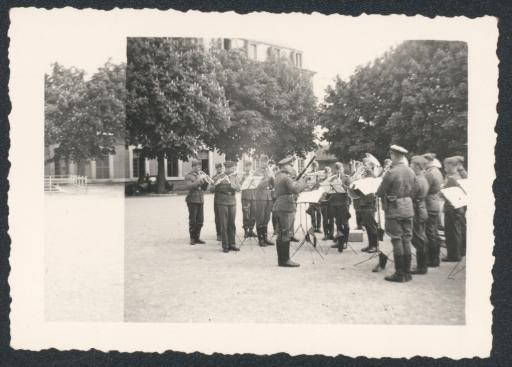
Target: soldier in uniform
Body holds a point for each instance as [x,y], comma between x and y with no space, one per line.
[339,203]
[368,207]
[263,201]
[286,189]
[314,208]
[248,204]
[396,191]
[225,189]
[327,219]
[435,181]
[419,237]
[219,167]
[196,185]
[454,219]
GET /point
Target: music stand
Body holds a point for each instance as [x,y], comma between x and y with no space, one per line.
[456,271]
[378,252]
[307,234]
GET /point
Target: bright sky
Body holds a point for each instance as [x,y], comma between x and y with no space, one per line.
[331,45]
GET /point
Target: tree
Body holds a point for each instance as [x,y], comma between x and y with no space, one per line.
[414,95]
[84,119]
[175,104]
[272,103]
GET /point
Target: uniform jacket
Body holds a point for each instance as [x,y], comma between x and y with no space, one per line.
[195,188]
[248,194]
[264,189]
[420,193]
[340,198]
[212,188]
[286,192]
[435,181]
[225,192]
[396,191]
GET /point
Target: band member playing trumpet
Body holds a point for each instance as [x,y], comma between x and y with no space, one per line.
[219,167]
[225,188]
[263,201]
[284,208]
[196,183]
[248,204]
[339,205]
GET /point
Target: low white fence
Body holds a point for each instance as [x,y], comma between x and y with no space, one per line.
[56,182]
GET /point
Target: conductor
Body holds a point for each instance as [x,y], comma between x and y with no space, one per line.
[284,207]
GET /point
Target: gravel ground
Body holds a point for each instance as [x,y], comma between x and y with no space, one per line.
[167,280]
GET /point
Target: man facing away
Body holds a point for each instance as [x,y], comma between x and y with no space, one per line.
[339,205]
[219,168]
[285,206]
[396,192]
[419,237]
[432,201]
[196,185]
[263,201]
[225,189]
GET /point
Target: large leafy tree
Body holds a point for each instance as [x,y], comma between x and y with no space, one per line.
[273,106]
[84,118]
[175,104]
[414,95]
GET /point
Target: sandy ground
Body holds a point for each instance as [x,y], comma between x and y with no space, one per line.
[84,247]
[167,280]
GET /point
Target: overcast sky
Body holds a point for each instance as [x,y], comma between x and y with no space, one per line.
[331,45]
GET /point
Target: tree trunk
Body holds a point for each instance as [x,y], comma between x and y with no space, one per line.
[161,174]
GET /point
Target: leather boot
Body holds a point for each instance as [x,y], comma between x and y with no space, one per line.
[251,233]
[434,256]
[246,233]
[383,260]
[398,276]
[266,240]
[261,243]
[421,263]
[279,250]
[287,263]
[407,268]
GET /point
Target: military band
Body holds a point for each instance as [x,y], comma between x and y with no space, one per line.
[411,198]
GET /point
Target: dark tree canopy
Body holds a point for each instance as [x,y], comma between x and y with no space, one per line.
[414,95]
[273,106]
[85,119]
[175,105]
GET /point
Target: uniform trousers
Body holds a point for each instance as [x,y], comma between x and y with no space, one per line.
[249,214]
[217,218]
[370,224]
[195,219]
[454,229]
[432,233]
[419,237]
[400,231]
[291,224]
[227,214]
[316,215]
[327,219]
[263,209]
[341,216]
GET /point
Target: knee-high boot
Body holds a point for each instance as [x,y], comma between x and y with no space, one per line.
[398,276]
[407,268]
[287,263]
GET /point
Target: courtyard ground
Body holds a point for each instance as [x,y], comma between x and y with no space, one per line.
[167,280]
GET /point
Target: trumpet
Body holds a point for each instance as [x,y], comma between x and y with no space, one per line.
[224,178]
[204,176]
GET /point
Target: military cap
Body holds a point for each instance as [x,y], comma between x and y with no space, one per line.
[460,158]
[338,165]
[398,149]
[218,165]
[436,163]
[196,163]
[429,156]
[229,164]
[420,161]
[452,160]
[284,161]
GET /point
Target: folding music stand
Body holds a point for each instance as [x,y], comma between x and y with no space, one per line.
[307,234]
[457,269]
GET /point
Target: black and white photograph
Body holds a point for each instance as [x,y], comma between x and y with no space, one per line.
[311,171]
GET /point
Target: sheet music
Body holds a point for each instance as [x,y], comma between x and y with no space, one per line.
[367,185]
[310,196]
[456,196]
[463,183]
[251,183]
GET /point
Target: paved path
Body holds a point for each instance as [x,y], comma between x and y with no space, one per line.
[167,280]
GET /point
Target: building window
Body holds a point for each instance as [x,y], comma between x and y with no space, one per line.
[227,44]
[253,52]
[80,167]
[298,60]
[138,164]
[102,168]
[172,167]
[203,157]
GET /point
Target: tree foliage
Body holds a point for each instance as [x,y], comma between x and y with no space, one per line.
[414,95]
[272,103]
[175,105]
[85,119]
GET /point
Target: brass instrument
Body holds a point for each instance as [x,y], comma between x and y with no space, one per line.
[204,176]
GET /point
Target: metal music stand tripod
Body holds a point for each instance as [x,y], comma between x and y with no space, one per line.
[307,234]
